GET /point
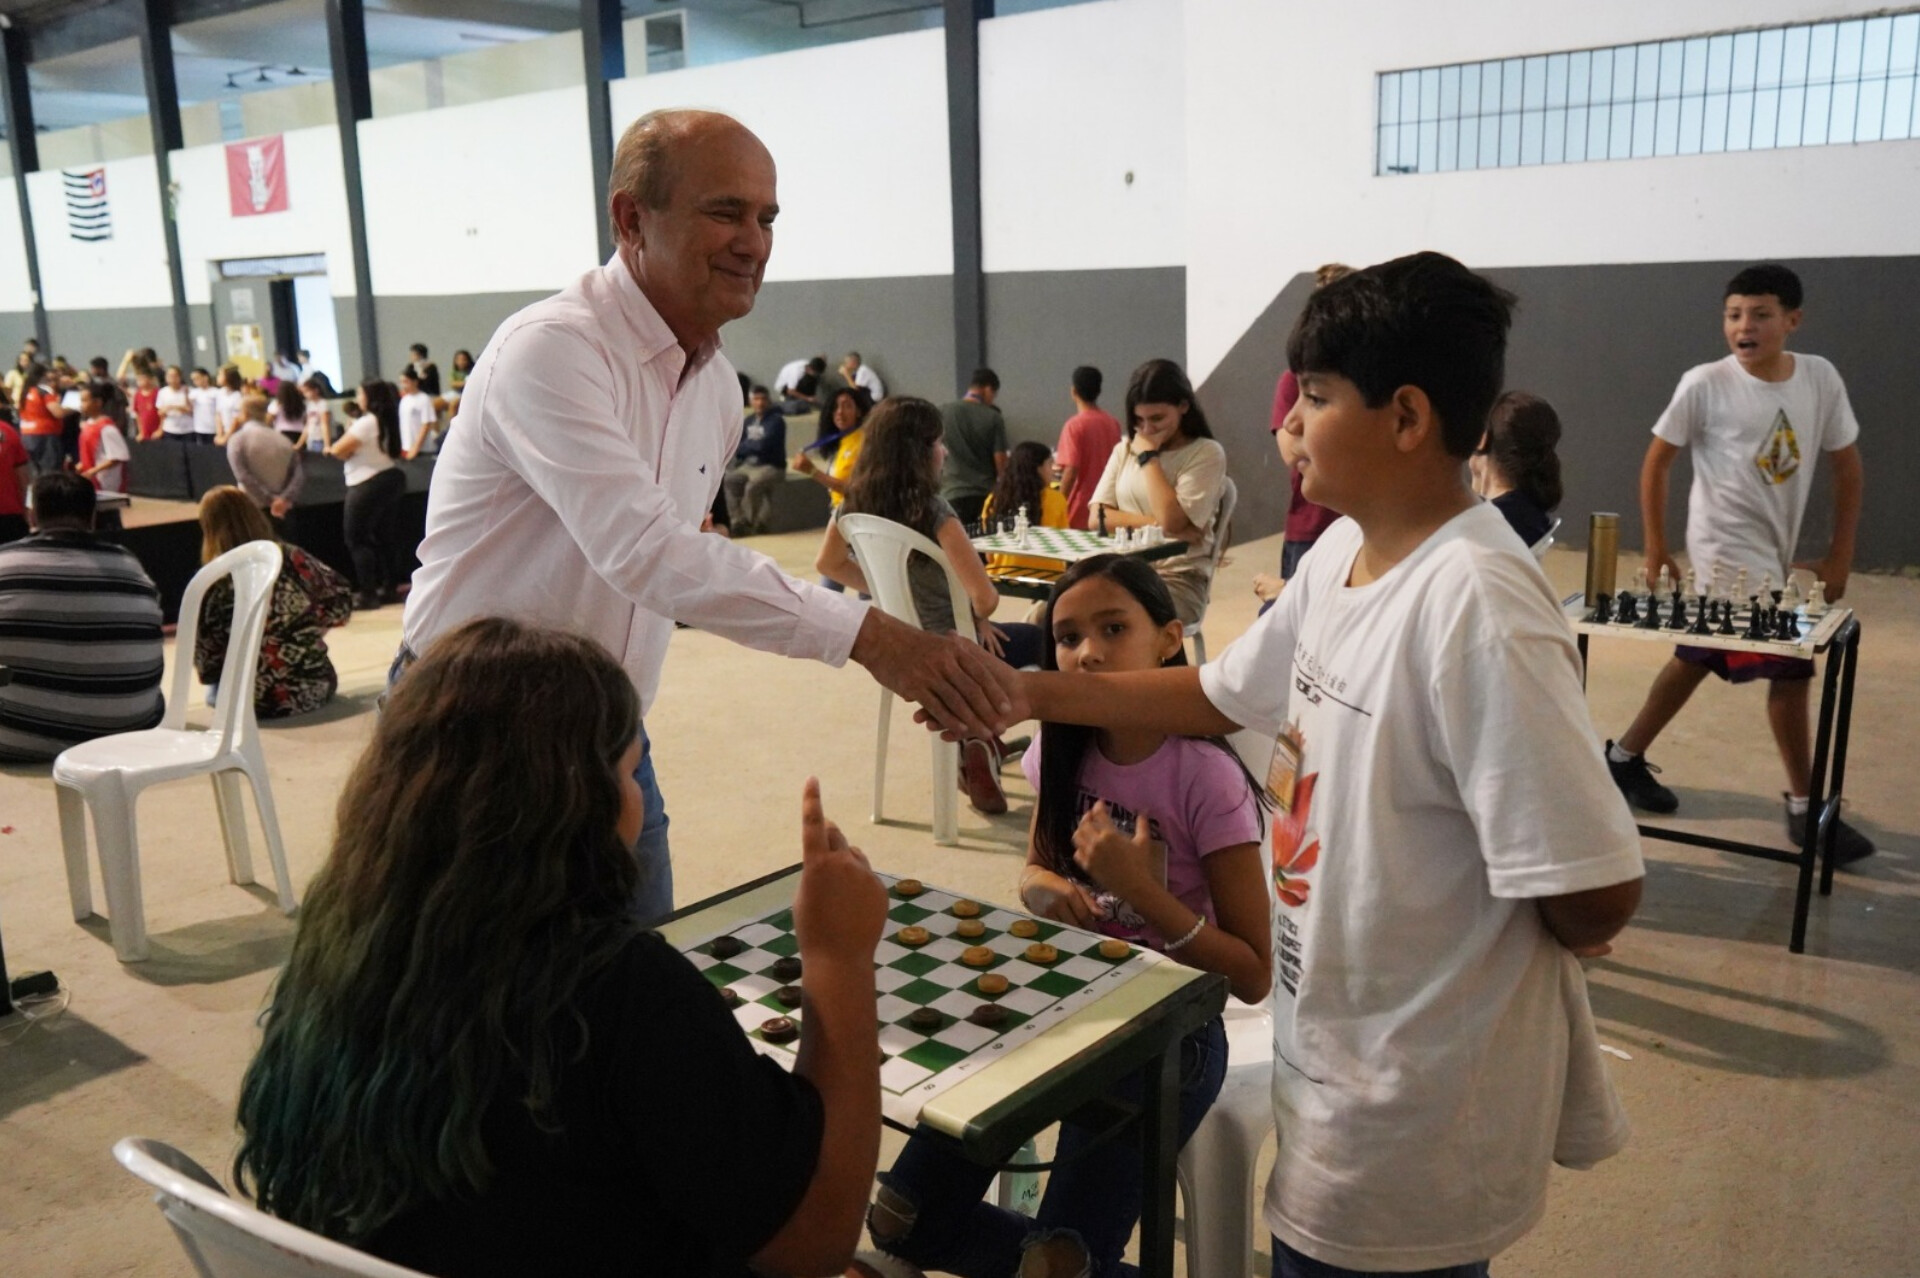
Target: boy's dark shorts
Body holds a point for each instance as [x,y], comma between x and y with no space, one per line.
[1745,667]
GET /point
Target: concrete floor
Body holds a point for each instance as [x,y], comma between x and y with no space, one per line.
[1776,1098]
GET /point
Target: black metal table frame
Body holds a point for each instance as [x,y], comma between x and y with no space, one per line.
[1823,800]
[1149,1044]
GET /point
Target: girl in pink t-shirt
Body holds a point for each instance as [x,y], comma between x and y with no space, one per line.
[1138,834]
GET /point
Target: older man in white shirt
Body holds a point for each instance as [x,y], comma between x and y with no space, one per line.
[592,437]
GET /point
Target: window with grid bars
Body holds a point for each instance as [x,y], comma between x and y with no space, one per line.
[1811,84]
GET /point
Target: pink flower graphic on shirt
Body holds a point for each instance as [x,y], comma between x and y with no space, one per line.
[1292,861]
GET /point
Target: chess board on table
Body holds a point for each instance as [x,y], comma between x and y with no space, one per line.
[1813,633]
[1068,545]
[919,1064]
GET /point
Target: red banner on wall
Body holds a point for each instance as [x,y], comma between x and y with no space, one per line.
[257,176]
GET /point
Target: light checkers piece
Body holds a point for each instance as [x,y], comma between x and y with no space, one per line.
[956,1034]
[914,936]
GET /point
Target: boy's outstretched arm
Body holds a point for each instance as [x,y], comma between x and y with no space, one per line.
[1654,472]
[1849,482]
[1166,700]
[1586,921]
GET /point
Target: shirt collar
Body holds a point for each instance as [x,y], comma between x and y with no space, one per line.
[644,318]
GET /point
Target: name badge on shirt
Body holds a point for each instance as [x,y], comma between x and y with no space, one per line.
[1283,774]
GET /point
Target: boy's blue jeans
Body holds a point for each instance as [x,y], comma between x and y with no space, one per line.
[1097,1197]
[1288,1263]
[653,897]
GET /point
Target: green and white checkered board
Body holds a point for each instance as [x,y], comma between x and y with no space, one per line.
[1065,544]
[918,1065]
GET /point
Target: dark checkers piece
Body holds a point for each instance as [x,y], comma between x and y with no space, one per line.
[725,947]
[909,888]
[779,1030]
[731,997]
[926,1019]
[787,996]
[991,983]
[989,1015]
[1024,928]
[966,909]
[786,970]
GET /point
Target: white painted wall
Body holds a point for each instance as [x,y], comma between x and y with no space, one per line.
[126,271]
[859,132]
[1280,118]
[16,292]
[492,197]
[1074,101]
[315,220]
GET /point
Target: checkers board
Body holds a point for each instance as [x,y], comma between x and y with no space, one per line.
[1068,545]
[920,1064]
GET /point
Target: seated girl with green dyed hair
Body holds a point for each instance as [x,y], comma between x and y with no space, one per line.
[476,1062]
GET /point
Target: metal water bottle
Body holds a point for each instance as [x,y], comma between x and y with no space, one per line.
[1603,552]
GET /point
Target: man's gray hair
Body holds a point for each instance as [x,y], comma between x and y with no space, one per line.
[643,162]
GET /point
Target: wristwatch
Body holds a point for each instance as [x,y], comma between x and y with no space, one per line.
[1143,458]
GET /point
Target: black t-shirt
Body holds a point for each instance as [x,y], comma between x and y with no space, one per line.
[1523,515]
[682,1151]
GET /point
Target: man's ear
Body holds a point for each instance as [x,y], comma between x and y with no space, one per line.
[624,211]
[1414,421]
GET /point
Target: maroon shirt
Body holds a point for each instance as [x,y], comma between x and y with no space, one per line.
[1305,521]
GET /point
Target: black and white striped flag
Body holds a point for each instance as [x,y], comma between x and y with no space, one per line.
[88,217]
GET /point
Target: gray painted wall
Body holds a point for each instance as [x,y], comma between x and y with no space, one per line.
[444,324]
[1606,346]
[1041,324]
[902,326]
[80,335]
[15,328]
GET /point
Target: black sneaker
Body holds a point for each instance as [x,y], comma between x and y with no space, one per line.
[1635,779]
[1849,845]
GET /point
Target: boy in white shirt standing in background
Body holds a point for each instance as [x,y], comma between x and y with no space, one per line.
[419,419]
[1756,421]
[1447,839]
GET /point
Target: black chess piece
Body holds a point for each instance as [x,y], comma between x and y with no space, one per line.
[1602,609]
[1789,628]
[1650,619]
[1702,618]
[1626,608]
[1677,612]
[1756,618]
[1726,618]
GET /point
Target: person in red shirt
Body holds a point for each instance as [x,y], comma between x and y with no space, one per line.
[103,451]
[146,407]
[16,472]
[1305,520]
[40,421]
[1086,442]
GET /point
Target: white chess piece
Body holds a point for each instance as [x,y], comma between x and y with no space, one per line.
[1817,601]
[1740,585]
[1639,581]
[1766,589]
[1665,585]
[1790,597]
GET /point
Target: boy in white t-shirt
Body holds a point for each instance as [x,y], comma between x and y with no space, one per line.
[1756,421]
[419,419]
[1447,839]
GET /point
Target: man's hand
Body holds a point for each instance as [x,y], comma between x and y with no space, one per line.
[1111,858]
[839,908]
[1835,574]
[959,687]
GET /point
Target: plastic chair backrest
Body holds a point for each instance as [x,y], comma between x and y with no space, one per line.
[227,1238]
[254,568]
[1223,518]
[1541,547]
[883,549]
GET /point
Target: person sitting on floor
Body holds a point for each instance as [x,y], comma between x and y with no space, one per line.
[295,674]
[79,630]
[477,1062]
[759,465]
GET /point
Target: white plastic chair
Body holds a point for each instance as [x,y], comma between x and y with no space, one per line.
[108,774]
[1222,527]
[1216,1168]
[226,1238]
[1541,547]
[883,549]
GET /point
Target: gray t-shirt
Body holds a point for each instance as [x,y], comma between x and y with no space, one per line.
[926,577]
[974,433]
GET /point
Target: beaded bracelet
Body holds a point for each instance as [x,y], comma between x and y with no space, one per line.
[1191,933]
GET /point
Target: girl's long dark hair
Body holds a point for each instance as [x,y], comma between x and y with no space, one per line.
[862,405]
[1522,434]
[383,402]
[894,476]
[1020,486]
[293,405]
[1064,746]
[476,884]
[1161,381]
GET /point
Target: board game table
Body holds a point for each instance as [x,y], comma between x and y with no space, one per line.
[1835,635]
[1065,546]
[1119,1027]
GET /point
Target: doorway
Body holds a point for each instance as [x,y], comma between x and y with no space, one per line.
[267,307]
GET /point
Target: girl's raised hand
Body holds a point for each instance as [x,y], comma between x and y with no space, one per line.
[840,907]
[1111,858]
